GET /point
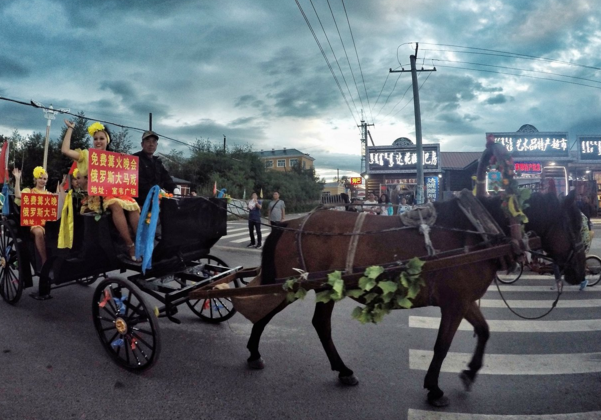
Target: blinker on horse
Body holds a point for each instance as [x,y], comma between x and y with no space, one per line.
[323,243]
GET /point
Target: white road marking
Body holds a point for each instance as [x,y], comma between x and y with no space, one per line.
[519,288]
[563,303]
[263,234]
[515,325]
[513,364]
[439,415]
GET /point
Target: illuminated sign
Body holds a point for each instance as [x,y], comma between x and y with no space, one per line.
[394,159]
[432,187]
[528,167]
[534,144]
[356,180]
[589,147]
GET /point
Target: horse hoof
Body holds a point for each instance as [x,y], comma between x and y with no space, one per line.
[348,380]
[256,364]
[439,402]
[466,380]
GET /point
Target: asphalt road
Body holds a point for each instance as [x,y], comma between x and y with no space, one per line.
[53,366]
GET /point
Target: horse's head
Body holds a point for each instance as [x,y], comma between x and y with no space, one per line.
[559,224]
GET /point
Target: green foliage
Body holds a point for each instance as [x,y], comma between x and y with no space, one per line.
[239,169]
[380,296]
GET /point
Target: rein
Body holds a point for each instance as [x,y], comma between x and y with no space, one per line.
[553,305]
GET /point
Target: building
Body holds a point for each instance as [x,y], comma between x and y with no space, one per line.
[285,159]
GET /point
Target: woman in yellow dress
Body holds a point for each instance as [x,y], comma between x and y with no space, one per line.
[123,209]
[40,177]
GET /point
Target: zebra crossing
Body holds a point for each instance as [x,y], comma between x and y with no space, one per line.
[238,235]
[560,349]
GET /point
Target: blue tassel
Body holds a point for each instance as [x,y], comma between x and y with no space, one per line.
[6,206]
[146,232]
[221,193]
[117,343]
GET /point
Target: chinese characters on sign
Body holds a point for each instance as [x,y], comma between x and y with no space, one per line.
[356,180]
[389,159]
[432,188]
[528,167]
[112,174]
[534,144]
[37,209]
[590,147]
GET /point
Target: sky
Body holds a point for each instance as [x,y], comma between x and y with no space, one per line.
[252,70]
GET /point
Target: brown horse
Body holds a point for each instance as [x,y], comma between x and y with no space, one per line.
[455,290]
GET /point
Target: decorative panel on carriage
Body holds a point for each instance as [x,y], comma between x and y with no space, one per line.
[190,227]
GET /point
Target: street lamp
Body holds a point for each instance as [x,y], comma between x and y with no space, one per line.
[49,114]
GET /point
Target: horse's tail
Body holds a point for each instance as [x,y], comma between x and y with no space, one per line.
[268,274]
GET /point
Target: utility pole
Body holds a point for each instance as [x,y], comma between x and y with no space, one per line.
[224,143]
[419,188]
[49,114]
[364,132]
[150,121]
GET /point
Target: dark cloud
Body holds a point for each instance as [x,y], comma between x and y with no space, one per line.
[10,68]
[497,99]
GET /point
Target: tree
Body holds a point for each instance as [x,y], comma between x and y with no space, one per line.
[120,141]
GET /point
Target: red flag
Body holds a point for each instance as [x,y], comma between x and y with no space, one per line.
[215,188]
[73,168]
[3,166]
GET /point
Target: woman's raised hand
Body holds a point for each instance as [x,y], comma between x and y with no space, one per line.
[17,173]
[70,124]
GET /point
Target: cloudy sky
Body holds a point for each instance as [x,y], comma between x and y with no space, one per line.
[253,71]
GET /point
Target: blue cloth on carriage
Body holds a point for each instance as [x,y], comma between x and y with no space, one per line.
[5,192]
[147,228]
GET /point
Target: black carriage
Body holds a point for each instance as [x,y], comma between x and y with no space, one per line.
[124,319]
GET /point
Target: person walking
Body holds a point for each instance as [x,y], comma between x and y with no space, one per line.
[254,221]
[276,212]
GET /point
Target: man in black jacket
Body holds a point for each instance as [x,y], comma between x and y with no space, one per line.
[151,169]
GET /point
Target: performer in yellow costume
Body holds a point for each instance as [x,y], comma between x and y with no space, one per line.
[123,209]
[40,177]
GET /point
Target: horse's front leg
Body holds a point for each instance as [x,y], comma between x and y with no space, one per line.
[449,322]
[322,321]
[474,316]
[255,361]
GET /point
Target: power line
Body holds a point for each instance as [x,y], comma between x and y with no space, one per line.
[358,61]
[33,105]
[345,53]
[516,68]
[420,87]
[521,75]
[335,58]
[325,58]
[400,100]
[514,55]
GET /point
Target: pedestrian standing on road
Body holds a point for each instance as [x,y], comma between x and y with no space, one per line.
[276,212]
[254,221]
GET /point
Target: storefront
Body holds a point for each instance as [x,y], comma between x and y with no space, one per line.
[392,170]
[587,171]
[542,159]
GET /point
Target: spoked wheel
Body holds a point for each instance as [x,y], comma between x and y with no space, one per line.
[11,264]
[593,269]
[512,276]
[212,310]
[126,325]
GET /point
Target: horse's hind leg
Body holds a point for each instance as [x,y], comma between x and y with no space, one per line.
[474,316]
[449,322]
[255,361]
[322,321]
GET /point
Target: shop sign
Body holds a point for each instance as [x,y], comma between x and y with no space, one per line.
[533,144]
[113,174]
[393,159]
[528,167]
[589,147]
[432,187]
[37,209]
[356,180]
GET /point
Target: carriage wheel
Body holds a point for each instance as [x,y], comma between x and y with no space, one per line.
[126,325]
[593,269]
[11,264]
[514,275]
[212,310]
